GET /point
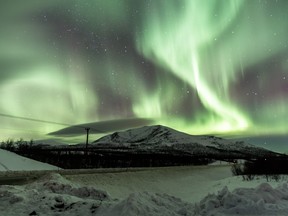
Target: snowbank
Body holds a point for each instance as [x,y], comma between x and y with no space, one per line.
[262,200]
[55,195]
[51,195]
[145,203]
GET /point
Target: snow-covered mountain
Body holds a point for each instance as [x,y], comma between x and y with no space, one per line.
[160,138]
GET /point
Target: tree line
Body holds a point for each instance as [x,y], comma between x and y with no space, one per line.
[79,158]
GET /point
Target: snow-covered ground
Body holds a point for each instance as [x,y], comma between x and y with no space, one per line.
[10,161]
[186,182]
[176,191]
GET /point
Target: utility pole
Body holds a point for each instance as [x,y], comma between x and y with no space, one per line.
[87,137]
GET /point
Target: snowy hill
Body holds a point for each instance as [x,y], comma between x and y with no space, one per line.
[160,139]
[10,161]
[159,135]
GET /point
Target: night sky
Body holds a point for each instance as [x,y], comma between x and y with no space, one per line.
[199,66]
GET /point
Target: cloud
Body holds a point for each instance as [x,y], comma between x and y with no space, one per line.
[103,126]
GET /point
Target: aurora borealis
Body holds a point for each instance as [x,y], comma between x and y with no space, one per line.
[199,66]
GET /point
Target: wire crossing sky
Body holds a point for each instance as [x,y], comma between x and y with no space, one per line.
[199,66]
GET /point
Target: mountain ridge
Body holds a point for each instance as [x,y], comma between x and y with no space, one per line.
[158,138]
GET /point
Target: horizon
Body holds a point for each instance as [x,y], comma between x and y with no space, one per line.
[273,143]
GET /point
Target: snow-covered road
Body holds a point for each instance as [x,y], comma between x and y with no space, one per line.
[190,183]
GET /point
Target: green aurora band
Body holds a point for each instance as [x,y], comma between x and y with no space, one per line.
[208,44]
[199,66]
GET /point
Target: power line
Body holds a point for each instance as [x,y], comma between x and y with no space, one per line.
[47,122]
[32,119]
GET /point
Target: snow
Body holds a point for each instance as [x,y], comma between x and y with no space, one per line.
[149,204]
[176,191]
[262,200]
[160,137]
[10,161]
[154,135]
[51,195]
[167,191]
[185,182]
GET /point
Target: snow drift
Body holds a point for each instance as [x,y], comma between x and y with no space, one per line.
[262,200]
[55,195]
